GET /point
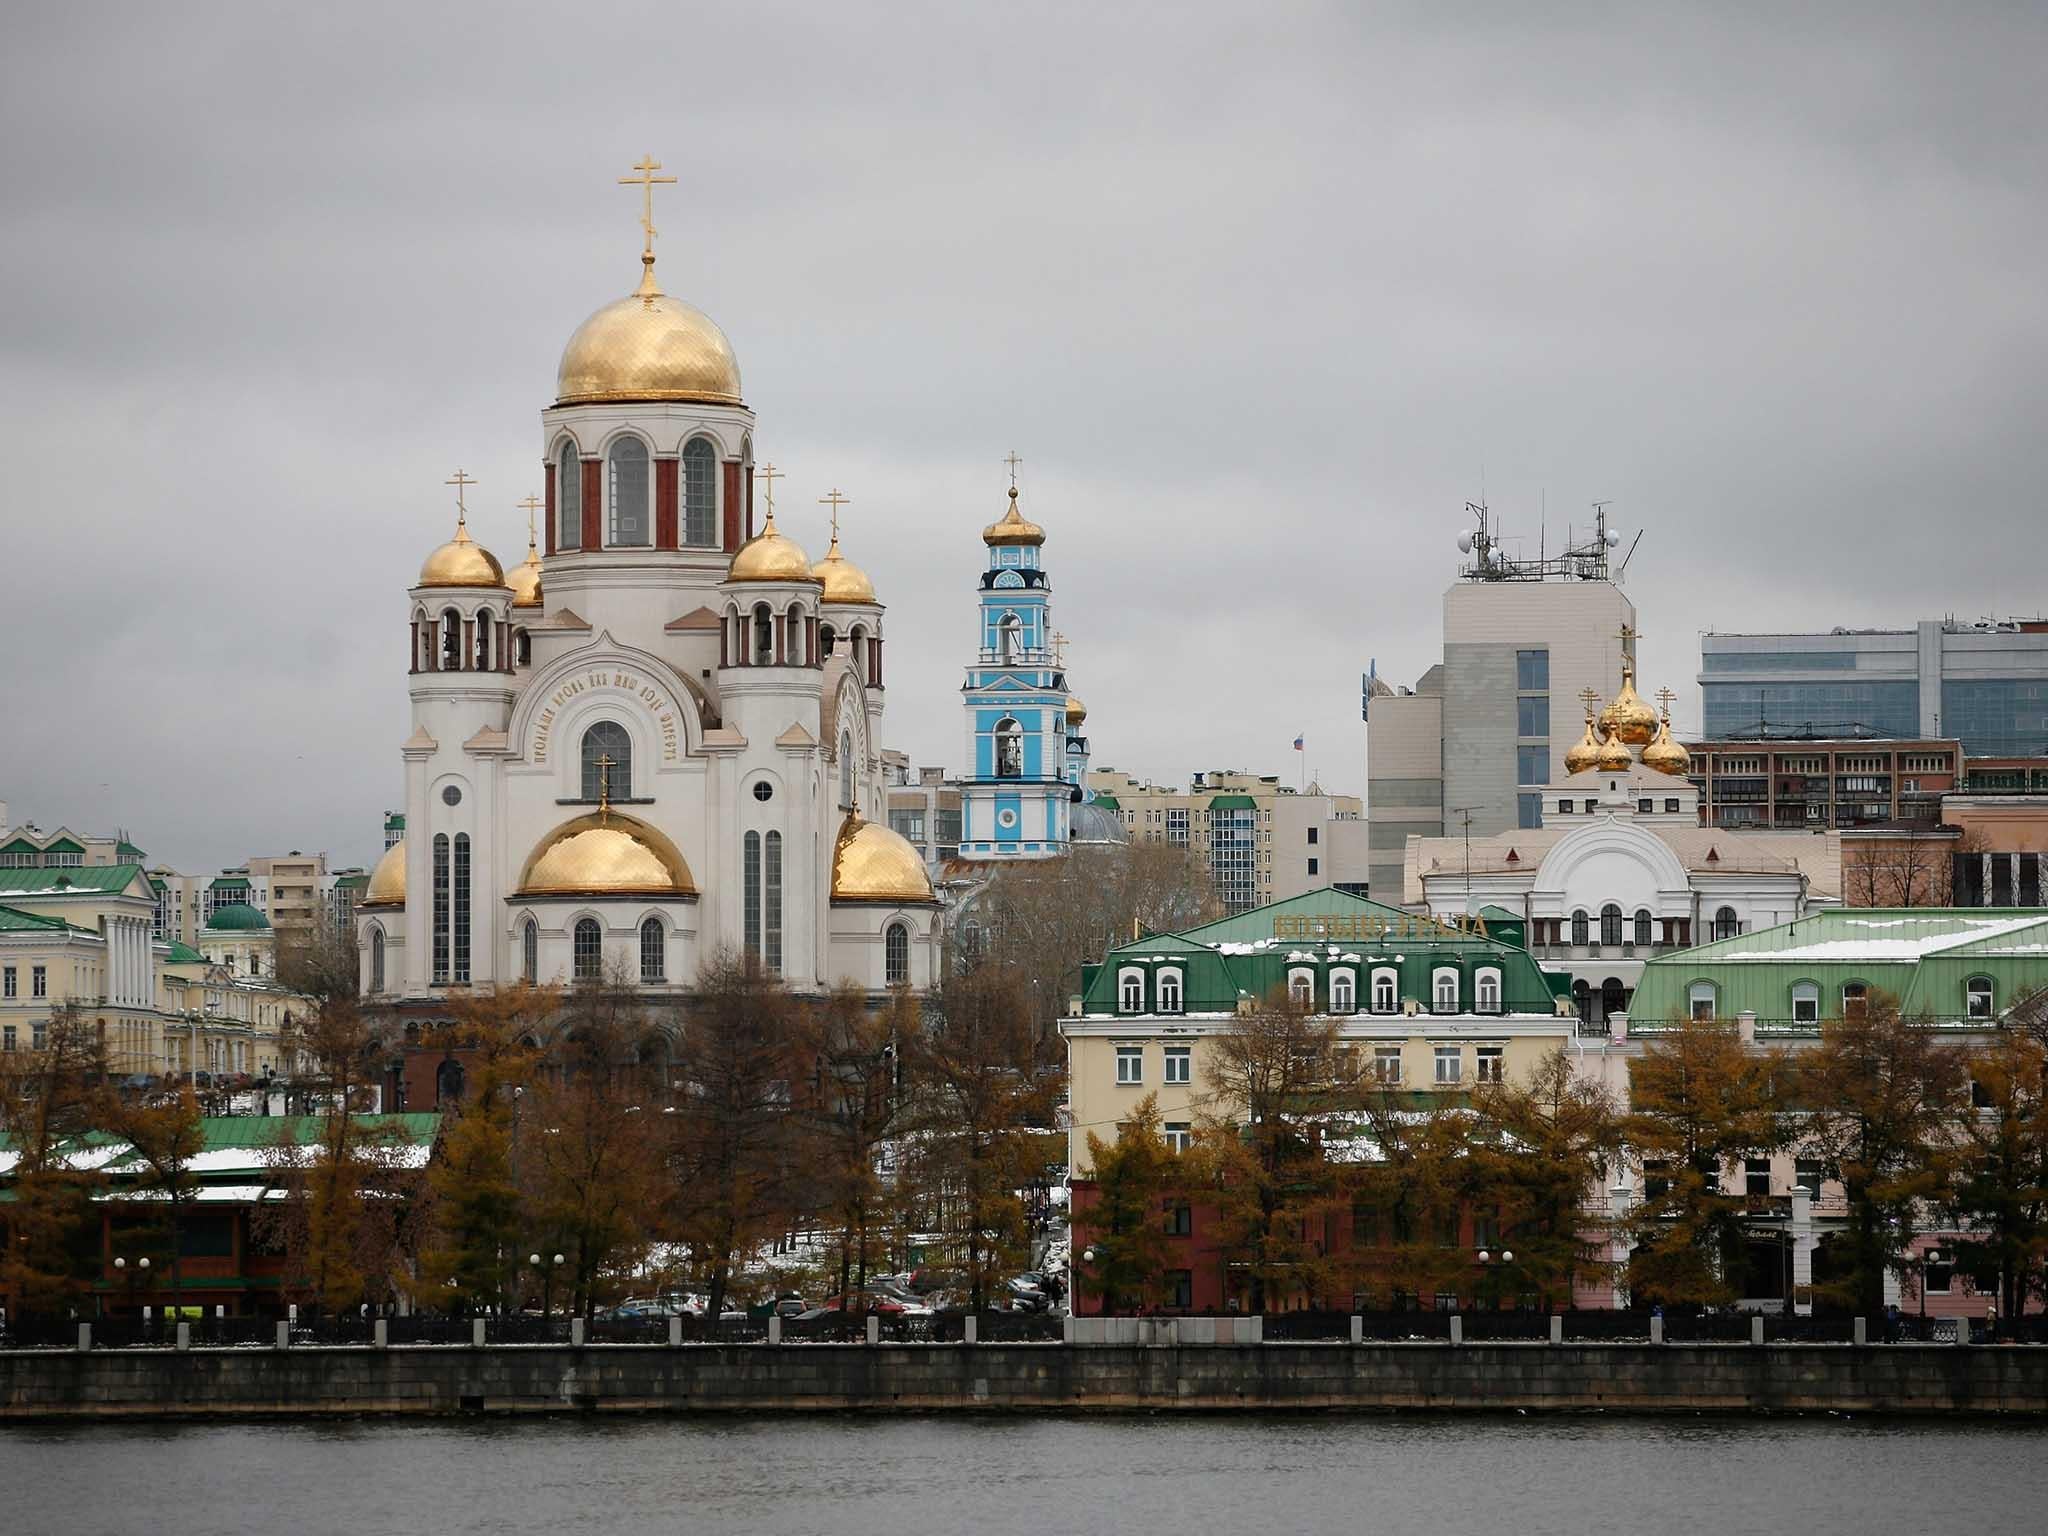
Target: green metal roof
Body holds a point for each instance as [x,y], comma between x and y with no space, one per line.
[184,954]
[352,882]
[1923,956]
[1233,803]
[1108,800]
[19,845]
[128,851]
[90,877]
[64,845]
[12,920]
[229,883]
[237,917]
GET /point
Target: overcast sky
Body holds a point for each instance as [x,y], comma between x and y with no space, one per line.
[1262,294]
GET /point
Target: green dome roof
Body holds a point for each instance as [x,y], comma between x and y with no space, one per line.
[236,916]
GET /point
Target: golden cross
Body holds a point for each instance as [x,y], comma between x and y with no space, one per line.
[1013,461]
[835,501]
[1591,700]
[1059,649]
[604,783]
[769,474]
[647,181]
[532,504]
[461,482]
[1664,697]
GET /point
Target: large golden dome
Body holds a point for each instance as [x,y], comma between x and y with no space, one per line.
[1077,712]
[1628,716]
[606,854]
[1585,753]
[873,863]
[387,880]
[525,579]
[770,555]
[648,346]
[1012,527]
[1666,755]
[461,562]
[844,581]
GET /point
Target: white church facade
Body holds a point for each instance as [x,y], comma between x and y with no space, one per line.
[657,739]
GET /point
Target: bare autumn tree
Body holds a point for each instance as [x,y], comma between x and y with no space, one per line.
[733,1152]
[853,1116]
[320,960]
[1902,866]
[978,1117]
[49,1098]
[1046,918]
[1880,1094]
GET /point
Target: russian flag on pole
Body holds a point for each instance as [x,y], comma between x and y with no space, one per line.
[1298,746]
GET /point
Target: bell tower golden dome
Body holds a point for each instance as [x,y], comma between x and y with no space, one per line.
[461,562]
[1664,754]
[844,581]
[1585,752]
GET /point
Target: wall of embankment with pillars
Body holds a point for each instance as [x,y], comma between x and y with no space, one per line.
[632,1378]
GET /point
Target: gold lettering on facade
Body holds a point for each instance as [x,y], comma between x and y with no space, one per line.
[650,698]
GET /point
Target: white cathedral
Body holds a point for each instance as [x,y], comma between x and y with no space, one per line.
[656,739]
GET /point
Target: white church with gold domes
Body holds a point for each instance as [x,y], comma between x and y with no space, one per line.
[657,739]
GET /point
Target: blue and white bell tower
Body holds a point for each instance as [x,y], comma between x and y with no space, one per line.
[1015,794]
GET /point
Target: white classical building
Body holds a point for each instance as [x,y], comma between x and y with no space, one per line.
[657,739]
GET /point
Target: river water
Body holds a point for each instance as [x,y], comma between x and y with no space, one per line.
[848,1476]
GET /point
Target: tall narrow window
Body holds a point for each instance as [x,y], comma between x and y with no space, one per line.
[764,636]
[700,495]
[629,492]
[1977,997]
[589,949]
[896,955]
[607,761]
[1486,991]
[440,909]
[1169,991]
[751,892]
[1581,929]
[376,960]
[1385,985]
[529,951]
[653,950]
[461,900]
[451,641]
[1008,632]
[771,903]
[1643,928]
[569,499]
[484,630]
[1726,924]
[1009,749]
[1343,993]
[846,771]
[1610,924]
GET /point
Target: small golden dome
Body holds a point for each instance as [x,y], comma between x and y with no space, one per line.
[648,346]
[525,579]
[1614,755]
[1585,753]
[1012,527]
[1077,712]
[1666,755]
[606,854]
[770,556]
[844,581]
[387,880]
[872,863]
[461,562]
[1628,716]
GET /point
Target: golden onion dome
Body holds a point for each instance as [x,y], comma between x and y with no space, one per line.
[606,854]
[844,581]
[387,880]
[1628,716]
[525,579]
[648,346]
[1585,752]
[770,556]
[1614,755]
[1077,712]
[461,562]
[1012,528]
[872,863]
[1666,755]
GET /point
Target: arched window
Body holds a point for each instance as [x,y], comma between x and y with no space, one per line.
[522,648]
[1613,997]
[1301,989]
[440,909]
[1130,990]
[485,627]
[771,905]
[629,492]
[1581,929]
[764,636]
[569,499]
[422,642]
[1168,983]
[846,780]
[793,636]
[607,762]
[460,901]
[653,950]
[451,641]
[827,636]
[1007,632]
[750,892]
[1726,925]
[448,1082]
[376,960]
[1805,1002]
[700,494]
[1343,992]
[1855,999]
[1610,924]
[1486,990]
[529,951]
[1643,939]
[857,649]
[589,949]
[1009,749]
[1443,989]
[1701,1001]
[1386,991]
[896,955]
[1977,997]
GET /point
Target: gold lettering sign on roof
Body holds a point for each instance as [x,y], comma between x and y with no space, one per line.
[1371,926]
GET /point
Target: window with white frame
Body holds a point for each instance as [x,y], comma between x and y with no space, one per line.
[1130,990]
[1805,1002]
[1977,997]
[1443,989]
[1450,1064]
[1179,1135]
[1169,993]
[1486,990]
[1855,999]
[1179,1063]
[1301,988]
[1386,1065]
[1343,992]
[1386,990]
[1492,1063]
[1700,1000]
[1130,1065]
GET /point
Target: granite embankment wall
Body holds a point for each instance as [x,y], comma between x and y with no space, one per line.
[630,1378]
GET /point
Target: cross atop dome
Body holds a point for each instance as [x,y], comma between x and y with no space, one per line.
[647,181]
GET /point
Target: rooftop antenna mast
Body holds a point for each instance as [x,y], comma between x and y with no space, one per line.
[1464,814]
